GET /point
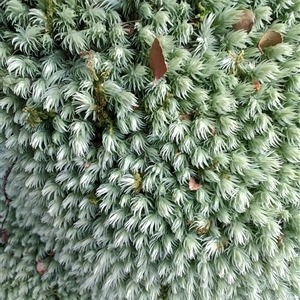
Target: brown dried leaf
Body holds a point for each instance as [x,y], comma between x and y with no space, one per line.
[4,236]
[202,230]
[185,116]
[178,153]
[246,21]
[270,38]
[221,245]
[256,85]
[193,186]
[214,131]
[157,60]
[87,165]
[279,240]
[41,267]
[129,30]
[50,253]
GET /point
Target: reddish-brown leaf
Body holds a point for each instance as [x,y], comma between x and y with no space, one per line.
[256,85]
[4,236]
[270,38]
[41,267]
[51,253]
[214,131]
[246,21]
[157,60]
[185,116]
[193,185]
[87,165]
[129,30]
[279,240]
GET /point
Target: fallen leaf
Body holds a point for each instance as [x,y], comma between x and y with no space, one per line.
[270,38]
[214,131]
[157,60]
[178,153]
[4,236]
[279,240]
[87,165]
[129,30]
[221,245]
[185,116]
[193,186]
[246,21]
[256,85]
[41,267]
[202,230]
[51,253]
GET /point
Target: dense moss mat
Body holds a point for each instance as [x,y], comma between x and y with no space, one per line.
[170,173]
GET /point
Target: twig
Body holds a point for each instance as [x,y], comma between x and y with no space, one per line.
[7,200]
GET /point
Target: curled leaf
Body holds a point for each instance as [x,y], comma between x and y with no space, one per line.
[4,236]
[221,245]
[256,85]
[185,116]
[270,38]
[279,240]
[193,185]
[157,60]
[203,230]
[41,267]
[245,22]
[138,182]
[51,253]
[200,230]
[129,30]
[87,165]
[214,131]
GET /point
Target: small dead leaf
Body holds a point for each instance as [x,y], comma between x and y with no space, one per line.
[41,267]
[214,131]
[200,230]
[246,21]
[129,30]
[4,236]
[222,245]
[157,60]
[256,85]
[137,185]
[87,165]
[50,253]
[178,153]
[279,240]
[270,38]
[82,54]
[193,186]
[185,116]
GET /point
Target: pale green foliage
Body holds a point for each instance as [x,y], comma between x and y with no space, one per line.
[185,188]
